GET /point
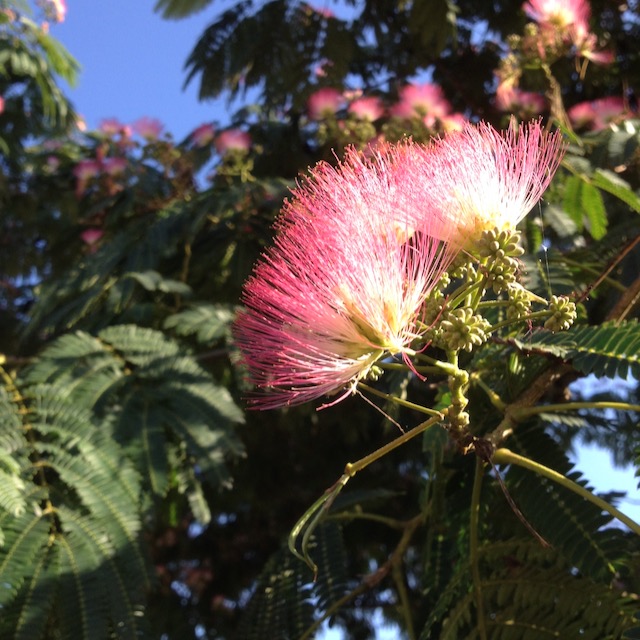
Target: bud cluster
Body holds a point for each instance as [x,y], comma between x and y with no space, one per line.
[462,329]
[563,314]
[519,306]
[498,252]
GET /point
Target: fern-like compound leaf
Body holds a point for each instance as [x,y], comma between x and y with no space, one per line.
[611,349]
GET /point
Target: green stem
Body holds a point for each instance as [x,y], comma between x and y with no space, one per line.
[354,467]
[533,316]
[313,515]
[403,595]
[400,401]
[399,366]
[461,293]
[593,271]
[494,398]
[392,523]
[525,412]
[505,456]
[474,525]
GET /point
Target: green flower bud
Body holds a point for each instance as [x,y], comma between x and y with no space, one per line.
[563,314]
[519,302]
[463,330]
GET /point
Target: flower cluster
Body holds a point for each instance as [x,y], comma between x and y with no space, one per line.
[362,248]
[344,283]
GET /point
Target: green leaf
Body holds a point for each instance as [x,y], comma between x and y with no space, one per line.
[611,350]
[175,9]
[611,183]
[593,205]
[153,281]
[572,200]
[74,555]
[207,321]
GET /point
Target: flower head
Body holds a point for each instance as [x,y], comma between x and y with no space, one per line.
[367,108]
[203,135]
[597,114]
[344,283]
[55,10]
[480,178]
[148,128]
[559,14]
[426,101]
[233,139]
[527,104]
[324,102]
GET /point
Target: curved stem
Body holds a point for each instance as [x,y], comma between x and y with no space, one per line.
[505,456]
[400,401]
[462,292]
[373,579]
[403,594]
[525,412]
[494,398]
[474,524]
[399,366]
[313,515]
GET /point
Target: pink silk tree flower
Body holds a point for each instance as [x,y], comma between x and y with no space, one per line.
[324,103]
[426,101]
[560,14]
[343,285]
[597,114]
[203,135]
[480,178]
[233,140]
[367,108]
[148,128]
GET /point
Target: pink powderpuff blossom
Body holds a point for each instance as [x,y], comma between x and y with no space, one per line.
[597,114]
[203,135]
[233,140]
[324,103]
[148,128]
[344,283]
[59,10]
[480,178]
[112,127]
[114,166]
[425,101]
[367,108]
[526,104]
[91,236]
[560,14]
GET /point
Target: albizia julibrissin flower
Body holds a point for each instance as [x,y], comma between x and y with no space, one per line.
[481,178]
[343,284]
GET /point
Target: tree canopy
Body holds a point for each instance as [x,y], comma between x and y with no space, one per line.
[435,491]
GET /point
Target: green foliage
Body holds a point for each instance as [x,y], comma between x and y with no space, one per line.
[207,322]
[241,43]
[522,583]
[162,403]
[173,9]
[31,58]
[610,349]
[72,557]
[281,604]
[134,499]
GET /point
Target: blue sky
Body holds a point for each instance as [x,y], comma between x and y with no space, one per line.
[133,65]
